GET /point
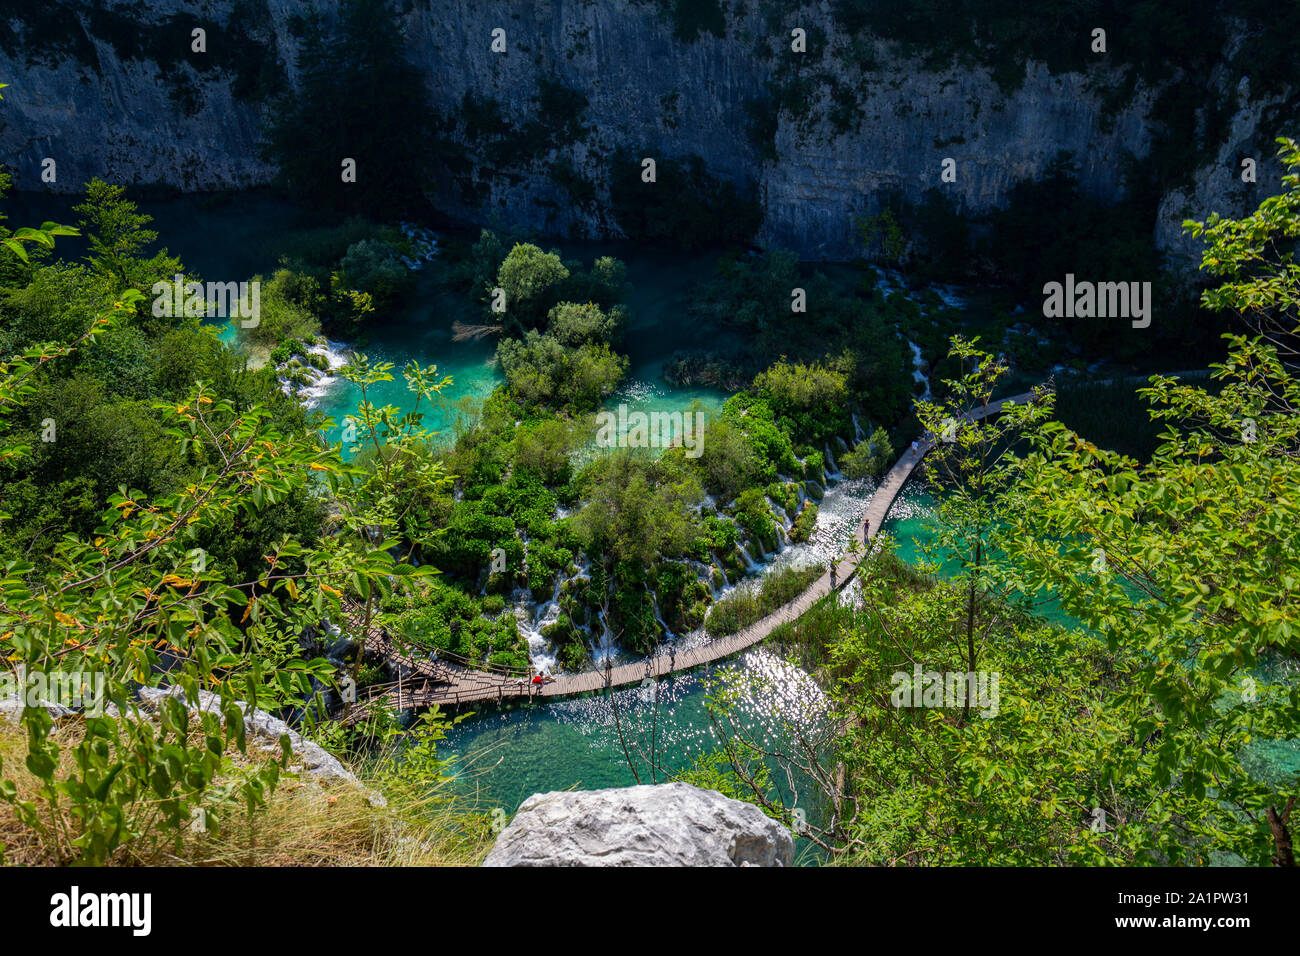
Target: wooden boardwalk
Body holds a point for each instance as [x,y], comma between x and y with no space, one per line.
[447,683]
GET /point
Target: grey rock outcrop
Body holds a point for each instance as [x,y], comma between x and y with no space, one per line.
[263,732]
[11,708]
[673,824]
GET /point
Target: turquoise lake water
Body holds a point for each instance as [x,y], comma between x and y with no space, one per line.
[659,324]
[503,755]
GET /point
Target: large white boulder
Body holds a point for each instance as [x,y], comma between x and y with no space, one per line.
[672,824]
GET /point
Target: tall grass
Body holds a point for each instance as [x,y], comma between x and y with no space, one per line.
[743,606]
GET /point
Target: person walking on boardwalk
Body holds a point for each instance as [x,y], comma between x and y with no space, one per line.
[832,575]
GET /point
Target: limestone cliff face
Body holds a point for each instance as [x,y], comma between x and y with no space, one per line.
[914,120]
[100,109]
[1217,186]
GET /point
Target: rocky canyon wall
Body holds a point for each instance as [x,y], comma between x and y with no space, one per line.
[89,92]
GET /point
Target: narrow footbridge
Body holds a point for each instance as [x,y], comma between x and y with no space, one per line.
[449,680]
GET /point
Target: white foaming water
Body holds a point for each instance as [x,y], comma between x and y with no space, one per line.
[540,653]
[532,619]
[949,296]
[424,246]
[750,564]
[918,368]
[839,515]
[659,618]
[320,381]
[891,280]
[832,469]
[638,391]
[603,646]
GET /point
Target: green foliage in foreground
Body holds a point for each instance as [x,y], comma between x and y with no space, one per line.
[110,610]
[1187,565]
[1188,562]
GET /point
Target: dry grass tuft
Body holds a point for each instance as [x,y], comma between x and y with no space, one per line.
[305,824]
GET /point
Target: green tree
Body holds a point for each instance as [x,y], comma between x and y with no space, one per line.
[540,369]
[727,463]
[809,399]
[637,507]
[546,448]
[972,467]
[870,458]
[573,324]
[1189,563]
[529,278]
[118,235]
[373,267]
[882,236]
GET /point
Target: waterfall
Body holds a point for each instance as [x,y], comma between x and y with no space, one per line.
[533,619]
[540,653]
[750,564]
[424,246]
[654,602]
[705,573]
[721,569]
[832,469]
[778,511]
[604,648]
[918,368]
[786,521]
[584,569]
[858,433]
[318,381]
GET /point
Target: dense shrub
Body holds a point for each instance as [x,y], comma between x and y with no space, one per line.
[540,369]
[372,266]
[809,400]
[448,619]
